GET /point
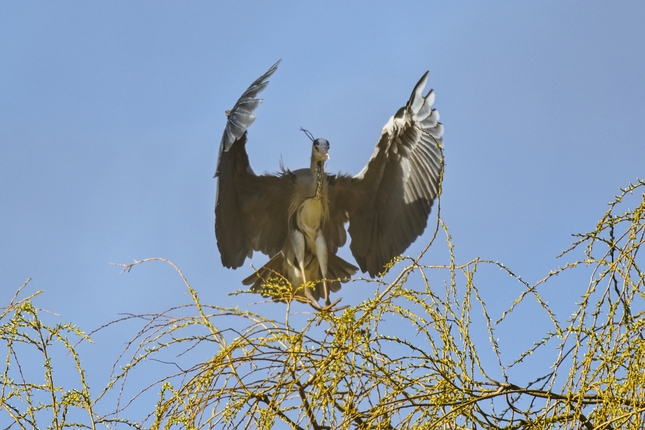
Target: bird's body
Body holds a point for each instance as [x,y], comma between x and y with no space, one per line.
[298,217]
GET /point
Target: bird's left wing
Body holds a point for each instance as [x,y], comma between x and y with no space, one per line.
[250,210]
[389,201]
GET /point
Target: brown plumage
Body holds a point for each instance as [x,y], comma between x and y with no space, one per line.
[297,217]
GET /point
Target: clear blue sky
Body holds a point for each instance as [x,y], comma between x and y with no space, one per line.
[111,116]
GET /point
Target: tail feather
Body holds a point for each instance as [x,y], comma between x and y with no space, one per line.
[338,270]
[274,268]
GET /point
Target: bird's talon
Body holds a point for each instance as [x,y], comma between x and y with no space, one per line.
[330,306]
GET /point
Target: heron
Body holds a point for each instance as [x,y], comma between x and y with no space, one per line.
[297,218]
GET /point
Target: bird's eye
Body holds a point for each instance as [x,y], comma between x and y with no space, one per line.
[321,142]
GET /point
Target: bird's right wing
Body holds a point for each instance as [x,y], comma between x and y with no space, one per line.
[250,210]
[242,115]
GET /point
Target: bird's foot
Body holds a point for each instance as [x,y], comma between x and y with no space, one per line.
[330,307]
[312,300]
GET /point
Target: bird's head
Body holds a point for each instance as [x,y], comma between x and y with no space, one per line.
[320,150]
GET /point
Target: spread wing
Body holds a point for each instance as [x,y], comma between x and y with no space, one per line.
[250,210]
[389,201]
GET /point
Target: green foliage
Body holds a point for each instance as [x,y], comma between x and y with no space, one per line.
[30,402]
[410,356]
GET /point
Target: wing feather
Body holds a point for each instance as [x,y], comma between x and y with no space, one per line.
[250,210]
[389,201]
[241,116]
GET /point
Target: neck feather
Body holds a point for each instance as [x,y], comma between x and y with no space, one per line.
[318,171]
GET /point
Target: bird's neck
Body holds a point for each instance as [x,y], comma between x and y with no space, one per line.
[318,172]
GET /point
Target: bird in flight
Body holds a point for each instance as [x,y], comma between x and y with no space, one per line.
[298,217]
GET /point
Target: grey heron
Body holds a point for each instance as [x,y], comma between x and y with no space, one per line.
[298,217]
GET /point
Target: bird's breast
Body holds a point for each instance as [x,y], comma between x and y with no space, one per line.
[310,216]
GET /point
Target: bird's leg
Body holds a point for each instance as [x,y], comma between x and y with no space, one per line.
[321,255]
[298,244]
